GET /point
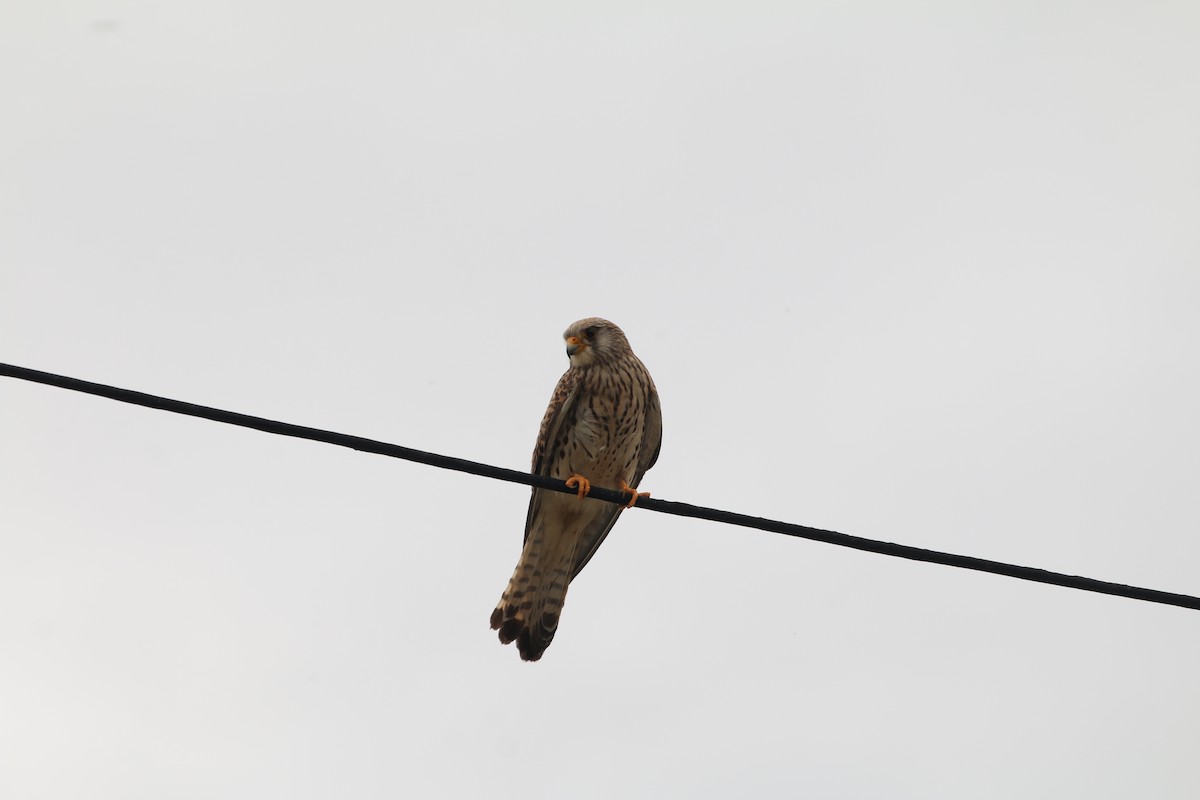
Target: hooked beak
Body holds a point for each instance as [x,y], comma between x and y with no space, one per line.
[574,345]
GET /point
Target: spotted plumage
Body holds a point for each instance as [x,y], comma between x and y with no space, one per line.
[603,425]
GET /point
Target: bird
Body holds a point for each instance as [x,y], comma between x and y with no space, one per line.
[603,426]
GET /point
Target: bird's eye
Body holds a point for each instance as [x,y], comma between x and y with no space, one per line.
[590,332]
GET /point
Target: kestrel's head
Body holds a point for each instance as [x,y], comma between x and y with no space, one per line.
[594,340]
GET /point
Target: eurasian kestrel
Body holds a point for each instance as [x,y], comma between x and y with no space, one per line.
[603,426]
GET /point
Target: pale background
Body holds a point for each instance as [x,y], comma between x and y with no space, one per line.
[928,275]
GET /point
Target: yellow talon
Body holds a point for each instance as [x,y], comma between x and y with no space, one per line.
[625,487]
[583,483]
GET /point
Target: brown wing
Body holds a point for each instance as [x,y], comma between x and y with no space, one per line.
[558,413]
[651,438]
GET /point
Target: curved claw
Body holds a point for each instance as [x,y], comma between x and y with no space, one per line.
[625,487]
[583,483]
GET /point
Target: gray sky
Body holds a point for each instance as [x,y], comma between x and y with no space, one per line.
[929,276]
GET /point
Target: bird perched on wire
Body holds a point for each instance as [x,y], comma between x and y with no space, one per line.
[603,426]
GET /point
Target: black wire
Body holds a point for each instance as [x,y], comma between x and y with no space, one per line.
[600,493]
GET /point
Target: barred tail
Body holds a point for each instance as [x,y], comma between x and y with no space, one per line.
[530,607]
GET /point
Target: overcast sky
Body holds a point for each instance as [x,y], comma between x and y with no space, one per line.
[926,275]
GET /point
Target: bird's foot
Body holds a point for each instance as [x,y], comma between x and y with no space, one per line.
[625,487]
[583,483]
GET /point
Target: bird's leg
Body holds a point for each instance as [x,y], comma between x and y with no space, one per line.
[583,483]
[625,487]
